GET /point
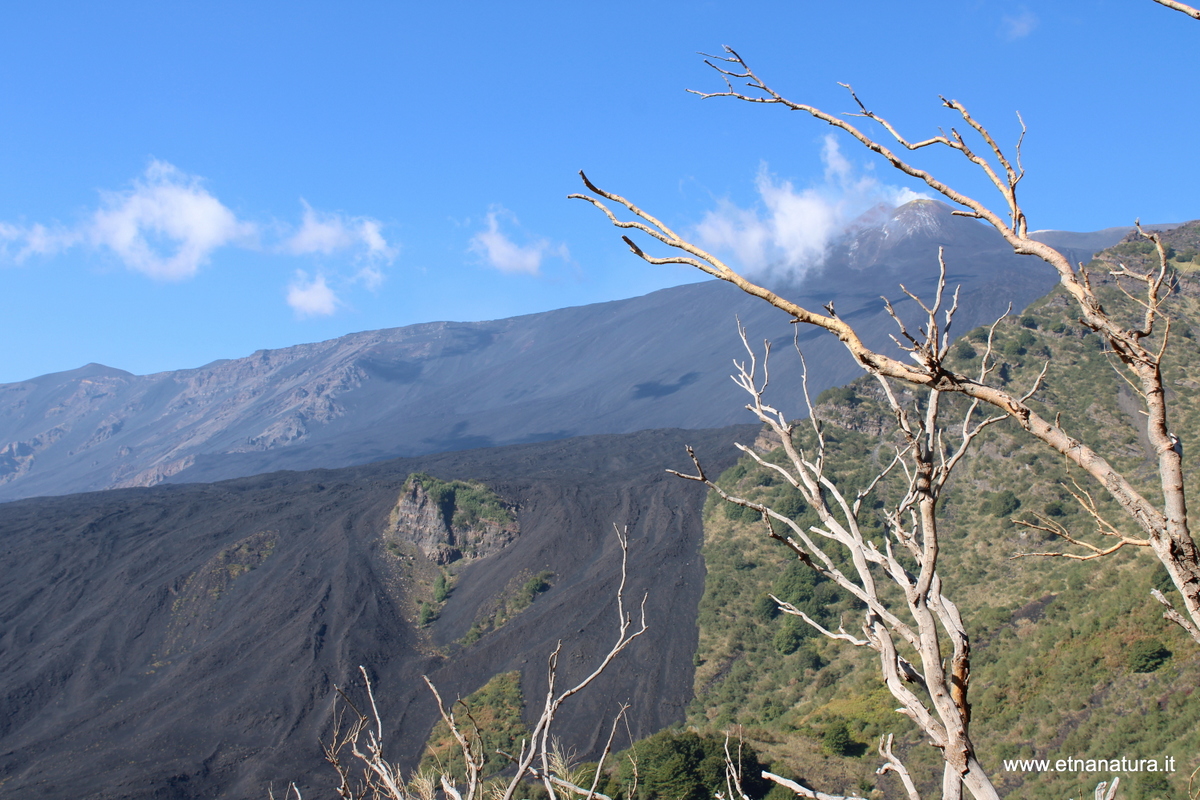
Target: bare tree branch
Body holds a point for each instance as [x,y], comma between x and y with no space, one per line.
[908,636]
[1194,13]
[379,779]
[804,791]
[1166,527]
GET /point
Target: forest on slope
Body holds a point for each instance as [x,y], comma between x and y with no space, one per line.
[1072,659]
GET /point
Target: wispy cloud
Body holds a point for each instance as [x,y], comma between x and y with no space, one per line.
[167,226]
[792,229]
[327,233]
[1018,26]
[501,252]
[19,242]
[333,233]
[311,297]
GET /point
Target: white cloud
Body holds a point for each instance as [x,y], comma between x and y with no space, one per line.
[33,240]
[792,229]
[167,226]
[1018,26]
[327,233]
[499,251]
[311,297]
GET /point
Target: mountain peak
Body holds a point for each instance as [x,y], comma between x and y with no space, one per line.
[920,216]
[879,235]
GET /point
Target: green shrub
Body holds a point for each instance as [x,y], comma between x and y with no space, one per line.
[1012,348]
[675,765]
[533,587]
[1152,786]
[1002,503]
[839,395]
[789,502]
[765,608]
[1054,508]
[836,739]
[790,635]
[739,513]
[1147,655]
[808,658]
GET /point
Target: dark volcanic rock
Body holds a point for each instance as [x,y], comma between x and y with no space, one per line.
[183,641]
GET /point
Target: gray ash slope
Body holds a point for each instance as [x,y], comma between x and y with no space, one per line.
[130,667]
[657,361]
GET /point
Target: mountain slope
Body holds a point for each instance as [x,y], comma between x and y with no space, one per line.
[656,361]
[184,641]
[1069,659]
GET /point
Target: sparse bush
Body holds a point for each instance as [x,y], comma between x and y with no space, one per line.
[838,395]
[534,586]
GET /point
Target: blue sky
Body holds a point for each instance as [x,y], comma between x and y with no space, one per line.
[181,182]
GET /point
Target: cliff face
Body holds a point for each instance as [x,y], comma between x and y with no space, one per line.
[440,529]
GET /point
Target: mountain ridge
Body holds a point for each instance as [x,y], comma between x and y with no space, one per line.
[655,361]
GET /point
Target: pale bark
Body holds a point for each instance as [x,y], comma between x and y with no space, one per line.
[1194,13]
[1166,527]
[931,685]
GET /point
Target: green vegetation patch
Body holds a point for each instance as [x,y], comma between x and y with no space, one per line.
[464,504]
[1069,658]
[518,596]
[493,714]
[683,765]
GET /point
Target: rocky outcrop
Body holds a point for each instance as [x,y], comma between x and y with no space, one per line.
[441,519]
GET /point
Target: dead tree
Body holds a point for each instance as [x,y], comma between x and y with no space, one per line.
[910,629]
[1138,346]
[356,748]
